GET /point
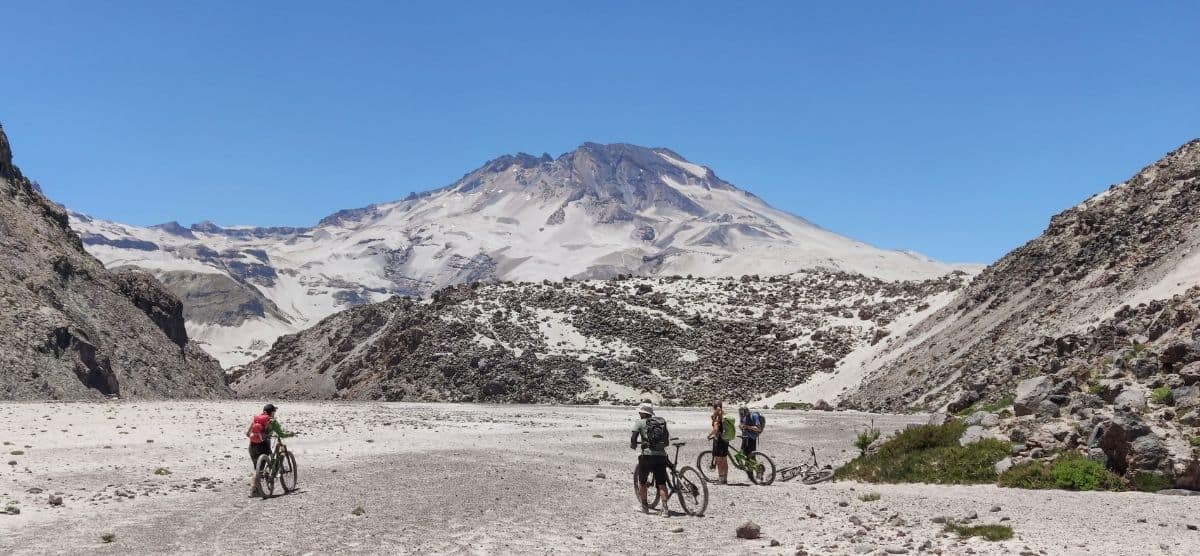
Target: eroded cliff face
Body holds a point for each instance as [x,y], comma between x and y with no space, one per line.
[75,330]
[1049,304]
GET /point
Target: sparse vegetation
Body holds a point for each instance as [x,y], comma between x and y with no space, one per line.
[162,471]
[794,405]
[987,532]
[1161,395]
[108,538]
[358,511]
[1069,472]
[1149,482]
[1094,388]
[929,454]
[17,452]
[866,437]
[870,497]
[990,407]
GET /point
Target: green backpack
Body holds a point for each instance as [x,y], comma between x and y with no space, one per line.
[728,428]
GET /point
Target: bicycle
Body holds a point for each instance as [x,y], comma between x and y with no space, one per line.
[281,464]
[810,472]
[758,466]
[685,481]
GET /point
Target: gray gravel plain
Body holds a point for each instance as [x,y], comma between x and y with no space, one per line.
[475,479]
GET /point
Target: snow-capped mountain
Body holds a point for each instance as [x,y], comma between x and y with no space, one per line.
[595,212]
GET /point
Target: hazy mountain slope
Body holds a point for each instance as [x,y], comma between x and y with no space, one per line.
[71,328]
[675,339]
[1043,306]
[595,212]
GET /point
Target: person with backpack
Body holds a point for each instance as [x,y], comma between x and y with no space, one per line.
[752,425]
[259,434]
[654,437]
[722,431]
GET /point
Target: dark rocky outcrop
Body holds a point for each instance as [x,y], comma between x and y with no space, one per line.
[74,330]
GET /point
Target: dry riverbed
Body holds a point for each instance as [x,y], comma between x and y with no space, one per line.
[442,478]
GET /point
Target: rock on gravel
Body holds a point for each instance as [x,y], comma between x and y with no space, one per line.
[749,530]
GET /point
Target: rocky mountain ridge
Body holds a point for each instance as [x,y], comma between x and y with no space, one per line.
[75,330]
[676,340]
[1048,305]
[595,212]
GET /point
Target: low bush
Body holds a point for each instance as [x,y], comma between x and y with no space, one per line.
[1149,482]
[794,405]
[870,497]
[865,438]
[1069,472]
[1161,395]
[929,454]
[988,532]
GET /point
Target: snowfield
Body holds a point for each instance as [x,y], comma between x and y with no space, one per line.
[596,212]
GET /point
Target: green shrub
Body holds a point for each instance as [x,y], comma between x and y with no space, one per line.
[865,438]
[988,532]
[17,452]
[1196,441]
[107,538]
[1094,388]
[990,407]
[1070,472]
[793,405]
[162,471]
[870,497]
[358,511]
[929,454]
[1078,473]
[1149,482]
[1161,395]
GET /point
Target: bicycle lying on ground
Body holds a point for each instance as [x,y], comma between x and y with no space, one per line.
[757,465]
[281,464]
[810,472]
[684,482]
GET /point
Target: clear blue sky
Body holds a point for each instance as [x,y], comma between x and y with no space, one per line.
[952,128]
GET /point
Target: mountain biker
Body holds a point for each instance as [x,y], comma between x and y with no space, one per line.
[720,449]
[651,459]
[751,425]
[259,434]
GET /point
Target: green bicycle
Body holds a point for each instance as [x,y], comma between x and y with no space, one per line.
[759,467]
[685,483]
[281,465]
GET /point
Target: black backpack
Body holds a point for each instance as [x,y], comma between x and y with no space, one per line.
[657,435]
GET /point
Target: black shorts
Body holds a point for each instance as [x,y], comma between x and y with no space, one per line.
[720,447]
[749,445]
[262,448]
[652,464]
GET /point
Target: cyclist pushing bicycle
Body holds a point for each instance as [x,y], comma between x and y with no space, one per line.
[259,434]
[652,431]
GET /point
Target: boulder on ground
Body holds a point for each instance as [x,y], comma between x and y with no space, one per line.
[1186,398]
[1030,393]
[1131,398]
[749,530]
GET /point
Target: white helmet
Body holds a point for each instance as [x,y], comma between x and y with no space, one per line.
[646,408]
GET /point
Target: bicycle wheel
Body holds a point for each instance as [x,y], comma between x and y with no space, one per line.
[266,479]
[706,465]
[651,491]
[288,472]
[763,472]
[815,476]
[692,491]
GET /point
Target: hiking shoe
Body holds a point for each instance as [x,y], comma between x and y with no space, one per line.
[722,481]
[663,512]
